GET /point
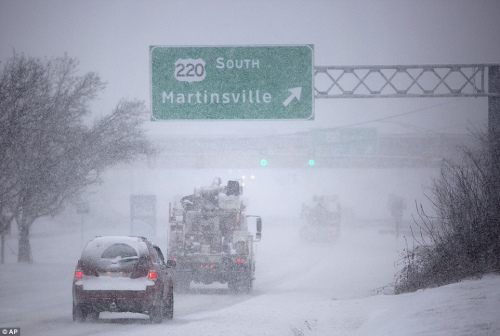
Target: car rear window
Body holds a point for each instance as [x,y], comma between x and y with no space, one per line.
[119,250]
[114,251]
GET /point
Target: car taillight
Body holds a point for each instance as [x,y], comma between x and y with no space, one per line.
[78,273]
[152,275]
[240,260]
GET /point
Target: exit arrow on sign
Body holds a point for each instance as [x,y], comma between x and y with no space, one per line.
[295,93]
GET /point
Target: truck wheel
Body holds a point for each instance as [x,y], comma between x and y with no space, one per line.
[242,284]
[231,285]
[182,286]
[246,284]
[182,282]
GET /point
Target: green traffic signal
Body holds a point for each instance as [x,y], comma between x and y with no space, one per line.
[311,162]
[263,162]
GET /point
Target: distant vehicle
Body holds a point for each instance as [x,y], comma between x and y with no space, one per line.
[321,219]
[122,274]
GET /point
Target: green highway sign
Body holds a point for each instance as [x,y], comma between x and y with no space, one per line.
[232,82]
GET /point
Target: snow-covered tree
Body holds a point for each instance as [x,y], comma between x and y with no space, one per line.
[47,154]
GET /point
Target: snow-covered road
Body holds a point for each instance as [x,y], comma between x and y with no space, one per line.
[301,289]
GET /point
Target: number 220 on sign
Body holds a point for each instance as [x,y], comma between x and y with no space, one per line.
[190,70]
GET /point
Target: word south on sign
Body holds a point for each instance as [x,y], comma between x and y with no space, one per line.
[234,83]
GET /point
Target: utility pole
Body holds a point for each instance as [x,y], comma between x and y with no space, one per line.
[494,100]
[494,147]
[494,110]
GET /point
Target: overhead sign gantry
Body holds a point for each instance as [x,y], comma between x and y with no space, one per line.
[402,81]
[281,83]
[414,81]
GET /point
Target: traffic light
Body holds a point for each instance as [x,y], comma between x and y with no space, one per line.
[263,162]
[311,162]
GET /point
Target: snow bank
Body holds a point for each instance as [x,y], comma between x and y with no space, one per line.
[471,307]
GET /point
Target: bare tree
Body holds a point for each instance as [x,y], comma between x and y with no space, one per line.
[48,153]
[463,238]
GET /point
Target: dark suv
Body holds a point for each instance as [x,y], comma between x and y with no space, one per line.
[122,274]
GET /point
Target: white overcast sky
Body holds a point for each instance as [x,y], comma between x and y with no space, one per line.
[112,38]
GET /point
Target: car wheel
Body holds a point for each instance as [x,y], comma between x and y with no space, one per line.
[79,313]
[156,312]
[169,306]
[93,315]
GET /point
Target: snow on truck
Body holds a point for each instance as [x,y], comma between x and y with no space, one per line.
[209,238]
[321,219]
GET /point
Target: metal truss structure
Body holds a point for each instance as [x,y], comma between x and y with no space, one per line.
[462,80]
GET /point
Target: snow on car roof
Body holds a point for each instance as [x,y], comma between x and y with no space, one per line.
[118,239]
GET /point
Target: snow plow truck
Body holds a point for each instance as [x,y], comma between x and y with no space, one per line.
[209,238]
